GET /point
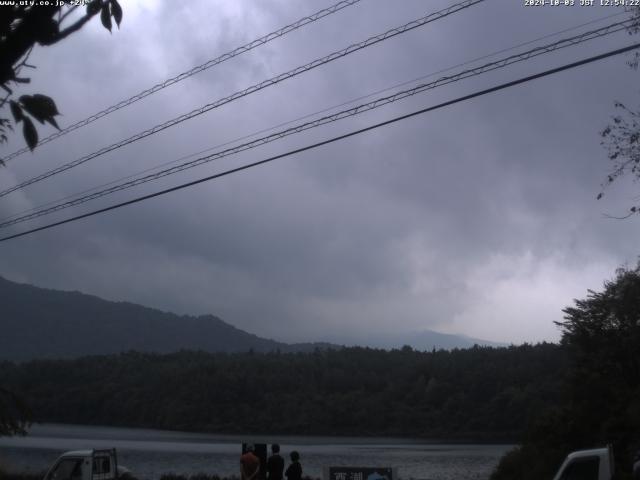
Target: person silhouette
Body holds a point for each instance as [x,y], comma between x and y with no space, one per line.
[249,464]
[275,464]
[294,471]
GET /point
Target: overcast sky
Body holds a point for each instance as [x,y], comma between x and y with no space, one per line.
[480,218]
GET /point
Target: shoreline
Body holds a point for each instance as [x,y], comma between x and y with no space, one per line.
[47,429]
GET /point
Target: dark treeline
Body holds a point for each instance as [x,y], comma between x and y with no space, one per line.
[600,397]
[480,393]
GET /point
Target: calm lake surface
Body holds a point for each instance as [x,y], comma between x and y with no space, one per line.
[150,453]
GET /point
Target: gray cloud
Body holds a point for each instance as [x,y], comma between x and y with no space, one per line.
[480,218]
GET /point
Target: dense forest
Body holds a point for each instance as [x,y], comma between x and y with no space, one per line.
[481,393]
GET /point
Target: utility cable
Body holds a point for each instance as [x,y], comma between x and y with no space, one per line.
[304,117]
[377,103]
[189,73]
[333,139]
[254,88]
[309,115]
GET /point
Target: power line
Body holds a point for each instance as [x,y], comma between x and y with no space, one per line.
[189,73]
[309,115]
[545,49]
[333,139]
[254,88]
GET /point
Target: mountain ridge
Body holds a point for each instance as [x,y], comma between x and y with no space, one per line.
[46,323]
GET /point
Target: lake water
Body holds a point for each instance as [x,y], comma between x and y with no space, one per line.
[151,453]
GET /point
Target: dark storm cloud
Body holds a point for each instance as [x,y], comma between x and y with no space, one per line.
[480,218]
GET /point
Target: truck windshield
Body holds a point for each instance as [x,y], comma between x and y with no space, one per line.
[67,469]
[582,469]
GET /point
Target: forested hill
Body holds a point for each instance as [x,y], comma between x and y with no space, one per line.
[41,323]
[481,393]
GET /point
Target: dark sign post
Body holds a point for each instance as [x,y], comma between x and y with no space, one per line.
[359,473]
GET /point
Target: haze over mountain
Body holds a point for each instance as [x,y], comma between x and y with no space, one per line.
[419,340]
[44,323]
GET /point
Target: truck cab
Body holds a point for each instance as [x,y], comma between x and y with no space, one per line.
[594,464]
[86,465]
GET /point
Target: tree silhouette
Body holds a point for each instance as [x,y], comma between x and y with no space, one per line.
[601,391]
[15,415]
[22,27]
[622,137]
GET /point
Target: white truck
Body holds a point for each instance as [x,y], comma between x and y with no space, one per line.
[594,464]
[87,465]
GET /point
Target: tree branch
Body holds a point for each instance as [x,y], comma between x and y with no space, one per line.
[70,10]
[612,217]
[72,28]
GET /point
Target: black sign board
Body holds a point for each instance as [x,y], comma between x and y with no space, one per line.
[359,473]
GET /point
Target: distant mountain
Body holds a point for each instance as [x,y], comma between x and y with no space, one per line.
[420,340]
[42,323]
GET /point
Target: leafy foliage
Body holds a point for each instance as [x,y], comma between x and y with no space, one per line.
[601,398]
[621,137]
[14,413]
[22,27]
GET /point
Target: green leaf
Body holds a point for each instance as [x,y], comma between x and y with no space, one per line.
[16,111]
[94,7]
[41,107]
[116,11]
[47,103]
[46,30]
[30,133]
[52,121]
[105,16]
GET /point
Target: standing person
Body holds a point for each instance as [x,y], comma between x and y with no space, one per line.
[249,464]
[275,464]
[294,471]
